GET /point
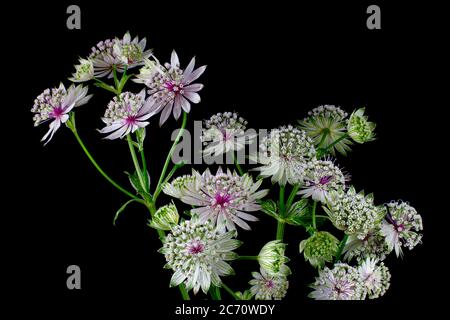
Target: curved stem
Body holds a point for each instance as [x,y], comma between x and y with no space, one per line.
[71,125]
[136,162]
[169,157]
[231,292]
[341,248]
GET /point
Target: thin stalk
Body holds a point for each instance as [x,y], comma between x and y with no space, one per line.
[344,136]
[238,166]
[292,196]
[280,230]
[313,214]
[184,292]
[281,224]
[72,127]
[247,258]
[341,248]
[169,157]
[144,170]
[136,162]
[231,292]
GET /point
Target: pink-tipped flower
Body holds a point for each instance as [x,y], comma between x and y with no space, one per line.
[171,88]
[125,114]
[223,198]
[55,104]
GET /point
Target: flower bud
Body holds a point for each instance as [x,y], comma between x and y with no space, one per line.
[271,258]
[165,218]
[319,248]
[359,128]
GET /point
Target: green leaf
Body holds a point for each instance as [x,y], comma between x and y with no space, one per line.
[135,183]
[270,208]
[121,209]
[105,86]
[300,214]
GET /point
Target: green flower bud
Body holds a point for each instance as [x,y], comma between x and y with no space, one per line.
[271,258]
[320,248]
[359,128]
[165,218]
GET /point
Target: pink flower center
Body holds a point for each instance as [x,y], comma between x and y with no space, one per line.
[326,179]
[196,247]
[57,112]
[130,120]
[173,86]
[222,199]
[269,284]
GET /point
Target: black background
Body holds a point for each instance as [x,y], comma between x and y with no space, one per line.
[271,63]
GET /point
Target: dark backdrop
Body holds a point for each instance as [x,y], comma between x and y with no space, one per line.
[271,63]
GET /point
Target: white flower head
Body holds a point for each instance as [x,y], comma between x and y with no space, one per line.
[343,282]
[265,286]
[125,114]
[84,71]
[284,154]
[373,245]
[401,227]
[354,213]
[165,218]
[326,124]
[131,52]
[225,132]
[55,104]
[118,54]
[375,277]
[197,254]
[322,177]
[224,197]
[171,89]
[271,258]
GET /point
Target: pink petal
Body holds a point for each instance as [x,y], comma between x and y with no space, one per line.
[194,75]
[193,87]
[166,113]
[193,96]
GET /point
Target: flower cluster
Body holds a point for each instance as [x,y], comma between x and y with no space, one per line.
[376,278]
[319,248]
[265,286]
[373,245]
[197,254]
[401,227]
[224,132]
[125,114]
[171,88]
[322,177]
[55,105]
[283,155]
[325,125]
[224,198]
[354,213]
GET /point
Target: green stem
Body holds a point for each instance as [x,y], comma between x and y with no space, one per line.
[341,248]
[238,166]
[281,213]
[136,162]
[280,230]
[324,135]
[144,170]
[231,292]
[313,214]
[282,208]
[184,292]
[71,125]
[292,196]
[325,150]
[169,157]
[215,292]
[169,175]
[247,258]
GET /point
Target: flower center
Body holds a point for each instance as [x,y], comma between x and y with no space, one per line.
[130,120]
[196,247]
[57,112]
[132,52]
[269,284]
[222,200]
[173,86]
[326,179]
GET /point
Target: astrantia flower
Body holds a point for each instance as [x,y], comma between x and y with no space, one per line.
[125,114]
[326,124]
[131,52]
[271,258]
[374,277]
[105,57]
[225,132]
[359,128]
[319,248]
[171,88]
[284,153]
[343,282]
[401,227]
[267,286]
[373,245]
[354,213]
[196,252]
[84,71]
[321,177]
[223,198]
[55,104]
[165,217]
